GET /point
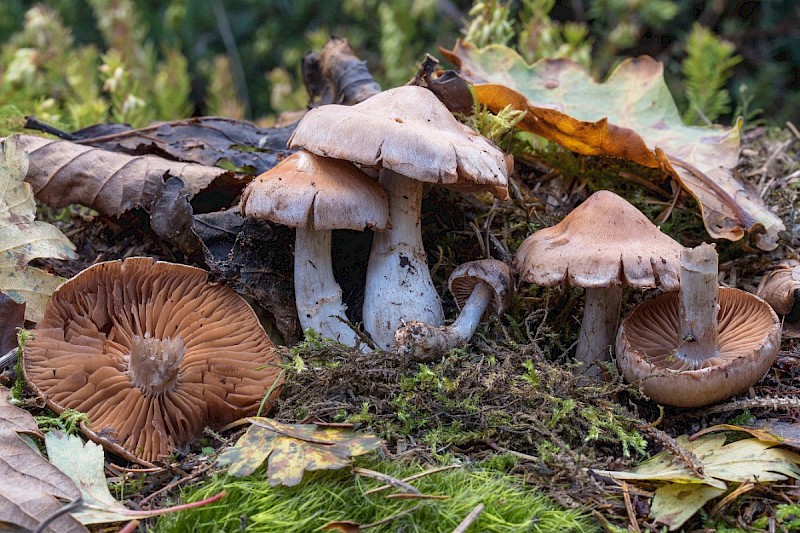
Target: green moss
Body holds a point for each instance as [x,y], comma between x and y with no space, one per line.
[253,505]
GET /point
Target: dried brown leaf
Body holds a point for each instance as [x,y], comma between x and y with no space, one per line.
[64,173]
[32,489]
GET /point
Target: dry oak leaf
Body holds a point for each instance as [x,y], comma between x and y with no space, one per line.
[293,449]
[64,173]
[747,460]
[22,238]
[631,115]
[31,488]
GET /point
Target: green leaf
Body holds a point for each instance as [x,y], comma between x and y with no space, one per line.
[22,238]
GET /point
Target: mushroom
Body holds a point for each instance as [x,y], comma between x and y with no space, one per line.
[316,195]
[602,245]
[780,288]
[482,289]
[412,138]
[152,353]
[701,344]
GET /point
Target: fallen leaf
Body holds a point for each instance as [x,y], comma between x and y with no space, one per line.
[210,141]
[293,449]
[64,173]
[675,503]
[631,115]
[12,316]
[32,488]
[337,76]
[770,431]
[740,461]
[84,464]
[22,238]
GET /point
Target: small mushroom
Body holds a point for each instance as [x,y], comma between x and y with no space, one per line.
[603,244]
[412,138]
[151,353]
[316,195]
[701,344]
[482,289]
[780,288]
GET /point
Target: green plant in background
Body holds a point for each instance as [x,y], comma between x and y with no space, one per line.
[706,70]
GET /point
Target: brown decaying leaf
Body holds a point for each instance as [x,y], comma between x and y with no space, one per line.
[337,76]
[210,141]
[771,431]
[293,449]
[631,115]
[64,173]
[31,487]
[12,316]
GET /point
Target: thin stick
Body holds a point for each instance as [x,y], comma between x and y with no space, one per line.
[407,496]
[629,507]
[176,483]
[412,478]
[71,506]
[393,481]
[521,455]
[130,527]
[469,519]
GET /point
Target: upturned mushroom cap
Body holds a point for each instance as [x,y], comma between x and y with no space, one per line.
[780,288]
[326,193]
[152,353]
[407,130]
[605,241]
[749,339]
[496,274]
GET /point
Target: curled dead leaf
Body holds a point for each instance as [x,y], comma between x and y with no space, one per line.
[630,115]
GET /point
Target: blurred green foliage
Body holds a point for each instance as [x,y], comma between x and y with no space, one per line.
[78,62]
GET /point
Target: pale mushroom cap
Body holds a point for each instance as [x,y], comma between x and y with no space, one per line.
[407,130]
[79,357]
[604,241]
[496,274]
[749,339]
[780,287]
[327,193]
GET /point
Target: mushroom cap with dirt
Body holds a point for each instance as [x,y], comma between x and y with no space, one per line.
[649,350]
[780,288]
[152,352]
[412,138]
[602,245]
[316,195]
[482,289]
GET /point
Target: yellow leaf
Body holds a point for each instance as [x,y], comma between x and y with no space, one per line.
[293,449]
[22,238]
[675,503]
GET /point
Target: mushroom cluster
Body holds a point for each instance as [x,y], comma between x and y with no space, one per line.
[411,138]
[151,352]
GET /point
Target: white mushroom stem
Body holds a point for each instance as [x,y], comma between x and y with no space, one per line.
[599,327]
[698,305]
[399,286]
[424,342]
[317,295]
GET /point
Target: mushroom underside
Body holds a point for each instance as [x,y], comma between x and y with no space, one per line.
[649,343]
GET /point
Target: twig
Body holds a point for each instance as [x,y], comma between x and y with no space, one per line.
[33,123]
[202,470]
[71,506]
[469,519]
[629,507]
[408,496]
[778,402]
[412,478]
[130,527]
[793,128]
[393,481]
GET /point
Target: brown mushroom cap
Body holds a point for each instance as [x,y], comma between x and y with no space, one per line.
[780,288]
[496,274]
[308,189]
[407,130]
[749,339]
[604,241]
[151,352]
